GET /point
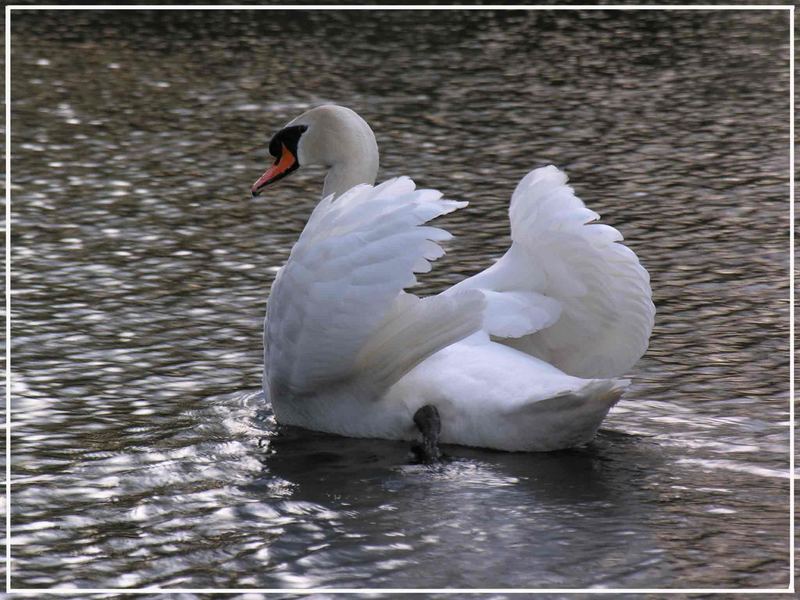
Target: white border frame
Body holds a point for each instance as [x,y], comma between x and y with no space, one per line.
[153,590]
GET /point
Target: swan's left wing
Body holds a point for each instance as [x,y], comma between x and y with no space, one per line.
[337,310]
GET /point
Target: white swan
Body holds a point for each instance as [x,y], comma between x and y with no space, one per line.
[522,356]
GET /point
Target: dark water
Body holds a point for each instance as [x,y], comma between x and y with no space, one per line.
[142,451]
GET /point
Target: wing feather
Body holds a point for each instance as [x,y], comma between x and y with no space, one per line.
[340,292]
[561,259]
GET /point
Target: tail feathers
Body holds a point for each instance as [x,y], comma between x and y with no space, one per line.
[594,394]
[414,330]
[569,419]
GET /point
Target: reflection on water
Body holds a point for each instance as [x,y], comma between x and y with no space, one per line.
[143,454]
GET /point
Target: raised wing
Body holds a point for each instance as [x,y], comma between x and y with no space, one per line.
[567,291]
[337,310]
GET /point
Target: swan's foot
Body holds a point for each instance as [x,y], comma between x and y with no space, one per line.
[430,425]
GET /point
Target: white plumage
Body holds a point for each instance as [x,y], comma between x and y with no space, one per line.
[337,311]
[590,290]
[522,356]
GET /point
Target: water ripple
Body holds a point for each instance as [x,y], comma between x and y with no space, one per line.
[143,453]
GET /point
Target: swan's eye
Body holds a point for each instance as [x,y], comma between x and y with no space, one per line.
[288,136]
[275,146]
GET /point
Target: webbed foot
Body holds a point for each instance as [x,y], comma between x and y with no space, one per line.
[429,424]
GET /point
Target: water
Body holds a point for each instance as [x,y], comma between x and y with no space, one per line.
[143,453]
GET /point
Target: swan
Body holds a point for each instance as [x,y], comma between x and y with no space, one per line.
[524,356]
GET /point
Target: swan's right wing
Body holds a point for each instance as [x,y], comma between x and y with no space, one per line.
[567,291]
[337,311]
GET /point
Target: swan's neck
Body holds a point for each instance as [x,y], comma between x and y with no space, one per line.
[351,153]
[343,176]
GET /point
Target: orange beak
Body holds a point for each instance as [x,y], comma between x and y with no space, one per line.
[282,167]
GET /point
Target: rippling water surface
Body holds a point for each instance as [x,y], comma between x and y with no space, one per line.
[143,453]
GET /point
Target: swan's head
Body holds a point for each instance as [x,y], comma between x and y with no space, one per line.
[330,136]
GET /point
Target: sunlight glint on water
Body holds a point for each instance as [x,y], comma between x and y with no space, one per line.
[143,453]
